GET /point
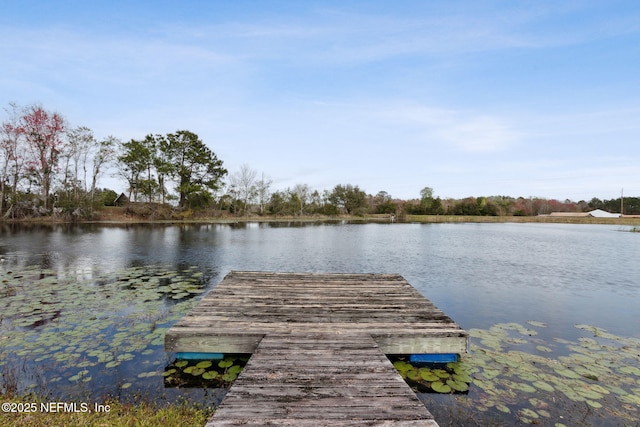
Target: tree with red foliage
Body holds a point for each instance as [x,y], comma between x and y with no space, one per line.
[43,131]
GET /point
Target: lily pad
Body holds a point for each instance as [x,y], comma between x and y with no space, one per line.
[464,377]
[631,370]
[528,413]
[630,398]
[503,408]
[441,373]
[225,363]
[440,387]
[524,387]
[228,377]
[460,386]
[543,386]
[204,364]
[594,404]
[235,369]
[169,372]
[197,371]
[537,324]
[400,365]
[427,375]
[124,357]
[566,372]
[589,394]
[490,373]
[413,374]
[210,375]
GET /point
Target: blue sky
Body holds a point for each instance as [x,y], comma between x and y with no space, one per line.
[471,98]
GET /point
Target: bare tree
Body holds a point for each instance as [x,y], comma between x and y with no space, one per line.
[302,193]
[79,146]
[105,153]
[11,156]
[243,183]
[263,191]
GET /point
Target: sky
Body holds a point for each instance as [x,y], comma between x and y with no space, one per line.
[471,98]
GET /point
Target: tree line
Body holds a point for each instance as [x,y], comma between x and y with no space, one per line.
[350,199]
[50,168]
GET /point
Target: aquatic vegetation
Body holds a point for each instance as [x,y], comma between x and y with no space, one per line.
[598,372]
[97,328]
[449,378]
[204,373]
[92,332]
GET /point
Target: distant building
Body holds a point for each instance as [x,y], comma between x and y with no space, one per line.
[597,213]
[121,200]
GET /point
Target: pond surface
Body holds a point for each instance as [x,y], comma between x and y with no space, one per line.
[83,309]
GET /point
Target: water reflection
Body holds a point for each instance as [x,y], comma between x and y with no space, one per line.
[478,273]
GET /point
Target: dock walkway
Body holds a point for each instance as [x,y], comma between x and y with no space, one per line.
[318,344]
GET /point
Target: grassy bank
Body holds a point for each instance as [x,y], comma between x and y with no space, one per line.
[116,215]
[521,219]
[143,215]
[119,214]
[44,413]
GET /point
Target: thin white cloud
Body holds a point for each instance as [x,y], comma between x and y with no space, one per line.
[464,131]
[598,121]
[44,50]
[346,36]
[479,134]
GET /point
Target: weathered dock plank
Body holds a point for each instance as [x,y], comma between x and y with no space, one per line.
[305,379]
[245,306]
[318,344]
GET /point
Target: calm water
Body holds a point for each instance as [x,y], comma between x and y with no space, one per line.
[478,274]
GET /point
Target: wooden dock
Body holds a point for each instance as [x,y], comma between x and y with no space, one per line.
[318,344]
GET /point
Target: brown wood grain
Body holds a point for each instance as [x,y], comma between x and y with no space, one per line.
[320,379]
[245,306]
[318,344]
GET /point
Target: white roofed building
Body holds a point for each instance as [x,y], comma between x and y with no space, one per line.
[597,213]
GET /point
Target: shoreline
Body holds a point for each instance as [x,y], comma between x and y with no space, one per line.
[409,219]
